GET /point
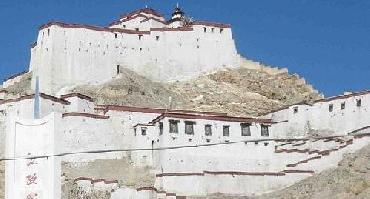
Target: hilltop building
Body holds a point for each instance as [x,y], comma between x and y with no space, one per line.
[143,41]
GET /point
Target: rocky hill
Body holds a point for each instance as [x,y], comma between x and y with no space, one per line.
[250,90]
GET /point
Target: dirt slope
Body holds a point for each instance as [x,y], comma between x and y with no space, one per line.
[241,91]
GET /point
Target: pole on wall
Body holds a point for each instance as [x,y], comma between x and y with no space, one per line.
[36,108]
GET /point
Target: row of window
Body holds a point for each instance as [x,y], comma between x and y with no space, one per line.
[189,128]
[331,106]
[213,30]
[343,105]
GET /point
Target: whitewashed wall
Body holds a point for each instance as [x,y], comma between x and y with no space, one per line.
[25,177]
[74,56]
[318,117]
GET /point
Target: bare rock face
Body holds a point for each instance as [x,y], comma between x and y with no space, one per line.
[244,91]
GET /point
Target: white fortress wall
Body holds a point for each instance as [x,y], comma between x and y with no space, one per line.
[301,119]
[84,133]
[70,54]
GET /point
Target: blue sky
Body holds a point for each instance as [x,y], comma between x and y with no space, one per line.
[327,42]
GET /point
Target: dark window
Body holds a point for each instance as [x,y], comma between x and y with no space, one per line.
[205,29]
[140,36]
[213,29]
[137,29]
[135,131]
[295,109]
[174,128]
[157,38]
[208,130]
[265,130]
[189,127]
[358,102]
[343,105]
[226,131]
[221,30]
[141,49]
[160,128]
[143,130]
[124,26]
[115,35]
[246,129]
[48,32]
[118,69]
[331,107]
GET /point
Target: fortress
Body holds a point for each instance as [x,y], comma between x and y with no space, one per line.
[143,41]
[171,153]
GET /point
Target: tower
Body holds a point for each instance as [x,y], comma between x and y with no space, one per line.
[178,14]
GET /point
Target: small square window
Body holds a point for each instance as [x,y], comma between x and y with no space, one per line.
[140,36]
[221,30]
[124,26]
[189,127]
[137,29]
[157,38]
[226,131]
[174,128]
[160,128]
[295,109]
[265,130]
[115,35]
[358,103]
[343,105]
[208,130]
[246,129]
[331,107]
[205,29]
[143,130]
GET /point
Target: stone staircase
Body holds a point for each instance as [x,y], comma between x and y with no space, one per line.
[319,154]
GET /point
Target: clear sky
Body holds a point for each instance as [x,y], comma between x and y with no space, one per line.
[327,42]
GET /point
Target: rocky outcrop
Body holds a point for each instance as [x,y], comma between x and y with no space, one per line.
[245,91]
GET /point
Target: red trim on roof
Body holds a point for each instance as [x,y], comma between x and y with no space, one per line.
[79,95]
[155,19]
[74,114]
[144,10]
[218,118]
[323,100]
[96,28]
[344,96]
[136,16]
[172,29]
[152,110]
[54,99]
[42,95]
[206,23]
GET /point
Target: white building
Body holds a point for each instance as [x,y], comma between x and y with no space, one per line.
[207,152]
[143,41]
